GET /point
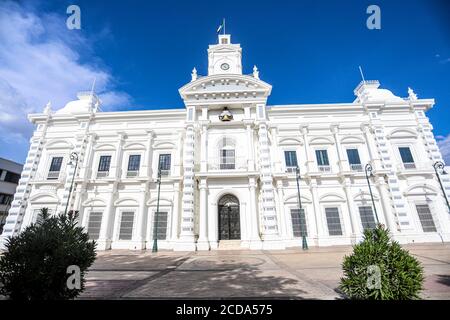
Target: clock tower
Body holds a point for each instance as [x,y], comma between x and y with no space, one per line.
[224,57]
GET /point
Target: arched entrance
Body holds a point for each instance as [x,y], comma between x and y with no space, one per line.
[229,221]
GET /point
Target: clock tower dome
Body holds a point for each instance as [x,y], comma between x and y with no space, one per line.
[224,57]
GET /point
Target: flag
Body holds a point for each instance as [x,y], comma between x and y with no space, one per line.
[220,28]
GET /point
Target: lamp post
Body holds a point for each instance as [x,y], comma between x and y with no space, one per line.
[155,228]
[439,165]
[369,173]
[73,157]
[297,177]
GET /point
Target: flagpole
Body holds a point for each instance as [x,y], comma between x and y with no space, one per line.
[224,26]
[362,74]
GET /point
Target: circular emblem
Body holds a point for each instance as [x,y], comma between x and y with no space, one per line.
[225,66]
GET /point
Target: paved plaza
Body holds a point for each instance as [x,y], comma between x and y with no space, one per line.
[288,274]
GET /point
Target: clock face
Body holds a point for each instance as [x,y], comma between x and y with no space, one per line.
[225,66]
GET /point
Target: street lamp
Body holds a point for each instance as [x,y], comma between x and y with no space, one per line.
[297,177]
[155,227]
[73,157]
[439,165]
[369,173]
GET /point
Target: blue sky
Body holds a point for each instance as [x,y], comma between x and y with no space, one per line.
[141,52]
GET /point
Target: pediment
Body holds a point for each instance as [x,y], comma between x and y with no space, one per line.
[420,189]
[402,133]
[352,140]
[44,197]
[320,140]
[290,141]
[225,87]
[332,197]
[59,144]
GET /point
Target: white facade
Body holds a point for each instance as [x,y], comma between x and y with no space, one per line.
[250,157]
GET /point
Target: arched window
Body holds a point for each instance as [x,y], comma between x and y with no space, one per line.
[228,200]
[227,154]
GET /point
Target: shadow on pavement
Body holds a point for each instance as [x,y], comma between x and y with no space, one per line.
[161,277]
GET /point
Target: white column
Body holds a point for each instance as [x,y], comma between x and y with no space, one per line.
[376,162]
[381,188]
[104,240]
[117,170]
[204,148]
[109,214]
[343,162]
[281,211]
[354,219]
[250,144]
[270,231]
[308,152]
[318,217]
[141,219]
[276,155]
[84,170]
[213,225]
[147,161]
[176,211]
[186,241]
[203,243]
[255,239]
[177,162]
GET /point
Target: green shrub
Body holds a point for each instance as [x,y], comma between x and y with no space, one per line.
[380,269]
[34,265]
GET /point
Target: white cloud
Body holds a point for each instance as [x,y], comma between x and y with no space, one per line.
[40,61]
[444,146]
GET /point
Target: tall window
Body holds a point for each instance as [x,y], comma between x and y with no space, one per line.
[104,163]
[161,227]
[56,164]
[164,164]
[354,160]
[333,221]
[322,160]
[425,217]
[126,226]
[367,217]
[291,160]
[407,158]
[227,154]
[134,162]
[55,168]
[298,223]
[94,224]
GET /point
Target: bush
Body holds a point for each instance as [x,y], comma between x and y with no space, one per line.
[381,269]
[34,265]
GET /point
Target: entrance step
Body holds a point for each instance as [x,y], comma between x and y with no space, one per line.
[229,245]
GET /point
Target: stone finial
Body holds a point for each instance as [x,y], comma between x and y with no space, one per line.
[255,72]
[48,108]
[411,94]
[194,74]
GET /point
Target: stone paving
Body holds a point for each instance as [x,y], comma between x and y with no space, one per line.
[289,274]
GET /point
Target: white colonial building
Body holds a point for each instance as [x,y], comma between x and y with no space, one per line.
[228,167]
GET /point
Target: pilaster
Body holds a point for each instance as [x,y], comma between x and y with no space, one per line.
[186,241]
[203,243]
[310,160]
